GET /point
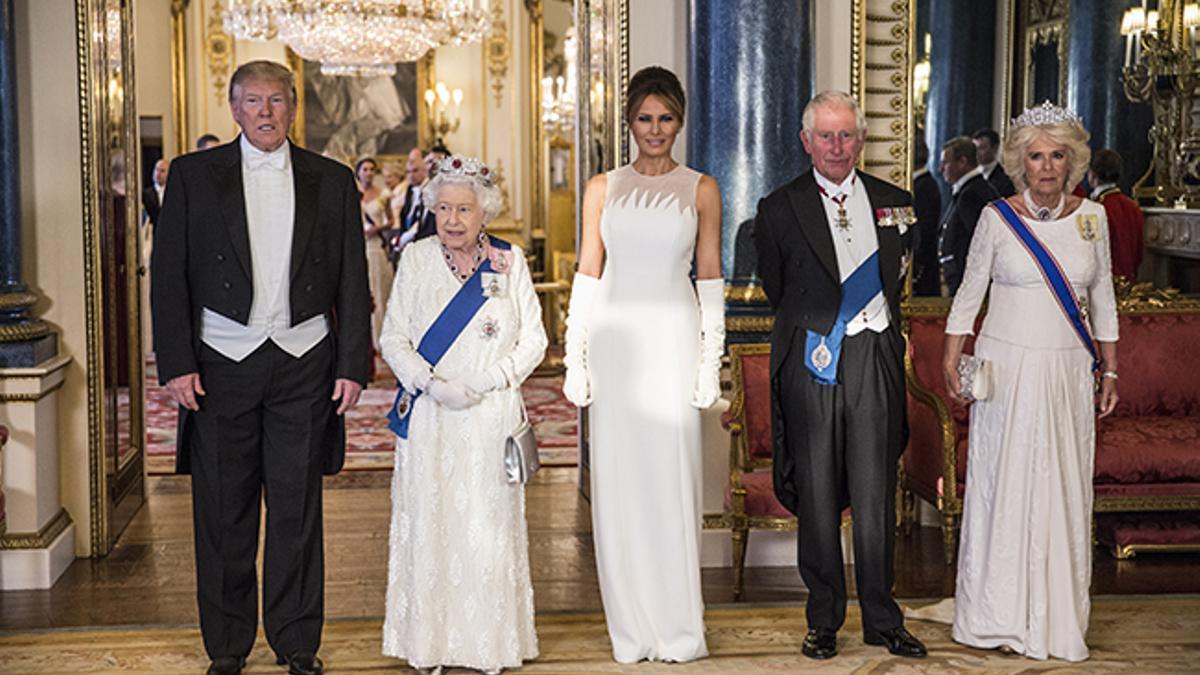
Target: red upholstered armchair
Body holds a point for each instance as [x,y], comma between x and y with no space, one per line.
[750,501]
[1147,451]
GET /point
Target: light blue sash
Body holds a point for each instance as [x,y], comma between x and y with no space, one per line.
[1053,274]
[441,335]
[822,352]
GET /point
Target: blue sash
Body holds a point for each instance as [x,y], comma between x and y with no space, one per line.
[445,330]
[1053,274]
[822,352]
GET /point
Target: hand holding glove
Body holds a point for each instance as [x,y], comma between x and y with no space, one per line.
[453,395]
[577,385]
[711,293]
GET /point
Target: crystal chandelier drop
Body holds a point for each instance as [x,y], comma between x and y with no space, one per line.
[359,37]
[559,93]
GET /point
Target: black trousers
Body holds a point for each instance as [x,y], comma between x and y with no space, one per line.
[844,440]
[258,434]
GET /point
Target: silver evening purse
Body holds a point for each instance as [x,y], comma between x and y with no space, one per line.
[520,450]
[974,378]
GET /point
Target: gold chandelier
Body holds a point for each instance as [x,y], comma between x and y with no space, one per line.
[359,37]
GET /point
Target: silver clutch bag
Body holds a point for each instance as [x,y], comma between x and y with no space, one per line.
[520,451]
[974,378]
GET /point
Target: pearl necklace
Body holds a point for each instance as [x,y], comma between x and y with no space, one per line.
[1044,212]
[478,258]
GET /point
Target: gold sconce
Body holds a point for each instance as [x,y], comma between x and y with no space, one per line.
[1162,69]
[438,100]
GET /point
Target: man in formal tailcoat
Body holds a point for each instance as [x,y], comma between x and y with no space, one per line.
[152,195]
[927,204]
[828,238]
[970,193]
[262,335]
[987,144]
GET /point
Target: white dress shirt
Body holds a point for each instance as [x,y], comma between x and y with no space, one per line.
[854,244]
[987,169]
[270,219]
[962,180]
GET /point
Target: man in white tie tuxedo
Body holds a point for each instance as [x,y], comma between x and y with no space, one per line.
[262,334]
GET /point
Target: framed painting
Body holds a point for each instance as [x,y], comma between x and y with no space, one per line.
[347,118]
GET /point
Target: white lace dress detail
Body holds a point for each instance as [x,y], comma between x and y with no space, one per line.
[459,591]
[1024,562]
[645,435]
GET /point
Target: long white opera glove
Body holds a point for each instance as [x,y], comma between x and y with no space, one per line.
[453,395]
[711,293]
[577,383]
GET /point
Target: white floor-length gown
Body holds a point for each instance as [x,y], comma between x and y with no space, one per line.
[379,268]
[1024,567]
[459,591]
[645,435]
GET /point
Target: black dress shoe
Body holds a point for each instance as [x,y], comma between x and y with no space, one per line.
[820,643]
[898,641]
[226,665]
[304,663]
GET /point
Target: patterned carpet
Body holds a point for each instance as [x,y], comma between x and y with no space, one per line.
[1128,634]
[369,443]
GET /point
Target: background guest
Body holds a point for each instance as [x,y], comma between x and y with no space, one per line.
[987,143]
[375,218]
[207,141]
[416,221]
[1125,220]
[927,203]
[970,192]
[152,194]
[1025,558]
[459,590]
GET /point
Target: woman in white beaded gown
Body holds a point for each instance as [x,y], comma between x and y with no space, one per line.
[459,591]
[1024,563]
[643,348]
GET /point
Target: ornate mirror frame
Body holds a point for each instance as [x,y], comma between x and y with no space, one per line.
[112,274]
[1045,25]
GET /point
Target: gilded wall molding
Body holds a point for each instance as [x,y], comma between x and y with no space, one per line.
[881,48]
[179,89]
[218,47]
[498,50]
[16,541]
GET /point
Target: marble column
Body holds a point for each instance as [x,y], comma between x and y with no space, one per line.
[961,69]
[24,342]
[1094,88]
[750,73]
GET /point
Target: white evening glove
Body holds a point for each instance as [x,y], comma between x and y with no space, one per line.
[453,395]
[711,293]
[484,381]
[577,383]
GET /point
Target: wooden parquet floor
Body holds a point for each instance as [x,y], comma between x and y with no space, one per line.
[1144,635]
[135,610]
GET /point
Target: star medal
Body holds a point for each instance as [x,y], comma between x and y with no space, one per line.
[489,329]
[821,356]
[500,262]
[1088,226]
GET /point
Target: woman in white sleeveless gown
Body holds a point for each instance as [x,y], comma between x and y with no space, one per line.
[643,349]
[376,219]
[1024,562]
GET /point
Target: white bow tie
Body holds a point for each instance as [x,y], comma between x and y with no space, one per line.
[264,160]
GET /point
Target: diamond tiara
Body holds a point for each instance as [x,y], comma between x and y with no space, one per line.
[468,167]
[1044,115]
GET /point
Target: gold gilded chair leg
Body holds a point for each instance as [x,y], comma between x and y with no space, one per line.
[740,534]
[950,536]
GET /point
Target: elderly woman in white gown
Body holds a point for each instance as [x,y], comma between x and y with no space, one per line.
[459,591]
[1024,563]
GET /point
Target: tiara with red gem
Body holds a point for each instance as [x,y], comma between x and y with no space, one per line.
[468,167]
[1045,114]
